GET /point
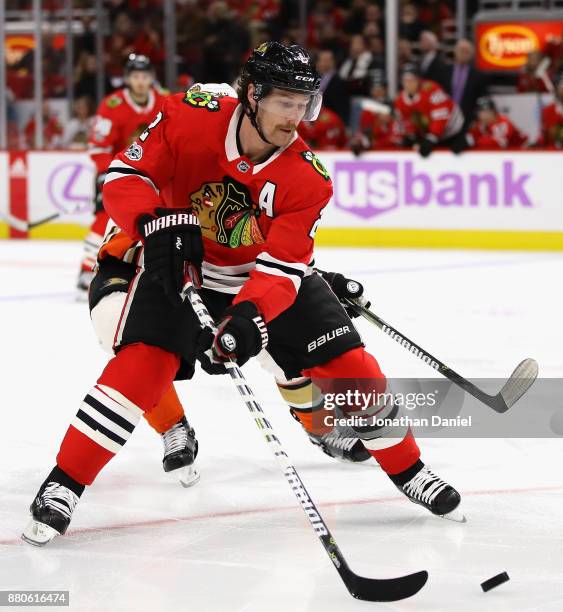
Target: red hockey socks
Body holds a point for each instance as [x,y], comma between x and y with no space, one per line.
[357,371]
[133,382]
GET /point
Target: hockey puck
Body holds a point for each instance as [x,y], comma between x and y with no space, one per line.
[493,582]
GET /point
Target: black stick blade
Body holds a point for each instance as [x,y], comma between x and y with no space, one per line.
[390,589]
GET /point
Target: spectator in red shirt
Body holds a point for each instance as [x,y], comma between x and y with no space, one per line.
[378,128]
[552,119]
[492,130]
[52,130]
[529,79]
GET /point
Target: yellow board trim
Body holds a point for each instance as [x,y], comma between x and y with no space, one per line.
[59,231]
[374,237]
[439,239]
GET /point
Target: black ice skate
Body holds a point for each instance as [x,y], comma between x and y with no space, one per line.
[336,445]
[51,512]
[180,451]
[430,491]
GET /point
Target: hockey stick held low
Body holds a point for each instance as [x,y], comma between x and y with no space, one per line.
[367,589]
[25,226]
[521,379]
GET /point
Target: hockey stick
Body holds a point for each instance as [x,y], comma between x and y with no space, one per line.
[25,226]
[367,589]
[513,389]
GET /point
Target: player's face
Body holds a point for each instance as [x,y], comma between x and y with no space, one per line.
[140,82]
[410,83]
[280,113]
[486,116]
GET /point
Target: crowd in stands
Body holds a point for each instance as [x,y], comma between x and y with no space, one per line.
[347,37]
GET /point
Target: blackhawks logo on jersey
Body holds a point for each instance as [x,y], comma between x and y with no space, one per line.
[202,99]
[310,157]
[227,214]
[114,101]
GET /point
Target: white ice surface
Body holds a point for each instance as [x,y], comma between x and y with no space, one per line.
[237,541]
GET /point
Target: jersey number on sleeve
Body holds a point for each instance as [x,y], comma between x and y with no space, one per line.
[152,125]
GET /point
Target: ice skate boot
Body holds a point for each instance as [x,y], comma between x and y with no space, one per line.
[430,491]
[180,451]
[340,447]
[51,511]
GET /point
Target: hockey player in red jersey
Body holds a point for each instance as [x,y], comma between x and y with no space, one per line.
[552,119]
[232,178]
[119,120]
[327,133]
[492,130]
[429,117]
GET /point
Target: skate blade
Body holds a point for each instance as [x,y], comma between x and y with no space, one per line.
[188,476]
[38,534]
[456,516]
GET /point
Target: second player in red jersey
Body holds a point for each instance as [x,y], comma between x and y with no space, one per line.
[120,118]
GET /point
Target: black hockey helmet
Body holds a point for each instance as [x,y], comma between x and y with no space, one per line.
[410,68]
[273,65]
[485,103]
[137,62]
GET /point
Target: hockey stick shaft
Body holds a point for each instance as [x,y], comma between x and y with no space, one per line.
[527,370]
[361,588]
[25,226]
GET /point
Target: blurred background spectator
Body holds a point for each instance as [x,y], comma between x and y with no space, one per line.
[493,130]
[432,65]
[465,83]
[354,69]
[552,118]
[335,91]
[75,134]
[52,130]
[214,37]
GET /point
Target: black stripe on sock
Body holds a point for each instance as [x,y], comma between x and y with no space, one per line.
[403,477]
[109,414]
[58,475]
[85,418]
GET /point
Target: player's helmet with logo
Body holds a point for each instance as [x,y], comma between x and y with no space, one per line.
[137,62]
[276,66]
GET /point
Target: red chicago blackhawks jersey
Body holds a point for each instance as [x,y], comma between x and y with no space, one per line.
[500,134]
[429,111]
[552,125]
[118,121]
[258,220]
[328,132]
[382,131]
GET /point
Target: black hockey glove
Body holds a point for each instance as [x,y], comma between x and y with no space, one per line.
[426,145]
[240,335]
[459,144]
[173,249]
[343,288]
